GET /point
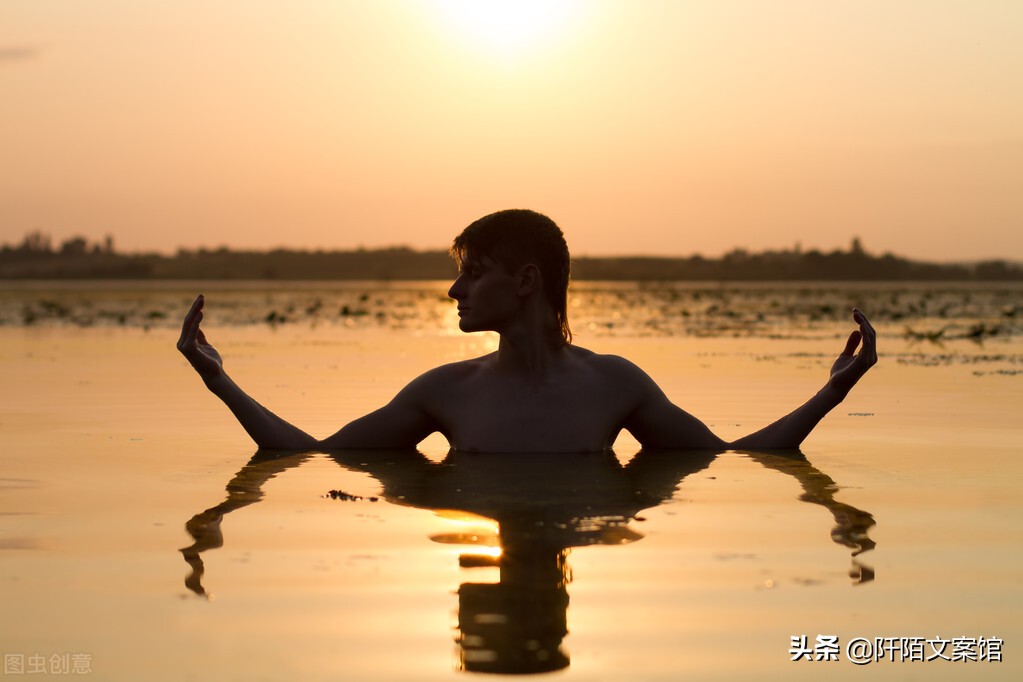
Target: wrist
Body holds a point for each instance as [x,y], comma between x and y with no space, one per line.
[831,395]
[217,382]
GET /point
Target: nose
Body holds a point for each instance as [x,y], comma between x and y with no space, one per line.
[456,291]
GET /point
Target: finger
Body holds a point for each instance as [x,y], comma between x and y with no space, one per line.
[193,331]
[188,335]
[201,337]
[869,335]
[852,343]
[869,351]
[189,321]
[864,323]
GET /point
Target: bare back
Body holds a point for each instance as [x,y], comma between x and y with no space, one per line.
[579,403]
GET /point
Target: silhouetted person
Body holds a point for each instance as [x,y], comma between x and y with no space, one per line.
[537,392]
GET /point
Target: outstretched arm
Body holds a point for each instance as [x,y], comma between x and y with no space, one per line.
[399,424]
[793,428]
[265,427]
[659,424]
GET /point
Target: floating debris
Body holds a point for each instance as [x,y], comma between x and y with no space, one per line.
[346,497]
[932,336]
[941,314]
[980,330]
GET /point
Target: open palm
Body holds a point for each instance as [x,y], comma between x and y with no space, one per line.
[193,344]
[850,366]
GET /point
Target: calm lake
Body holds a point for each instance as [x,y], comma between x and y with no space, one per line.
[141,536]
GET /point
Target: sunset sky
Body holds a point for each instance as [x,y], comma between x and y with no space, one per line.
[671,127]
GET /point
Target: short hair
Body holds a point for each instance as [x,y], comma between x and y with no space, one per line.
[518,237]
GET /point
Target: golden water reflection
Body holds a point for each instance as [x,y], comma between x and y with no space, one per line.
[522,515]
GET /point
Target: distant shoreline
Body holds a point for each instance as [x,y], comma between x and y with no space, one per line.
[84,262]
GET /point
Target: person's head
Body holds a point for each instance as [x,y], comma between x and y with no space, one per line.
[516,239]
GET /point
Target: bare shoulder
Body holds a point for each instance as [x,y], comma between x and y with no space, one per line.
[614,368]
[654,420]
[445,378]
[602,361]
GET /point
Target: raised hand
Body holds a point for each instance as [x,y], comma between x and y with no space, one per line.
[850,365]
[193,345]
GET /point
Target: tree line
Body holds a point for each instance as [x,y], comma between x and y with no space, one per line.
[39,257]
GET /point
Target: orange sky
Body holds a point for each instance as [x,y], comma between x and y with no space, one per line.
[665,127]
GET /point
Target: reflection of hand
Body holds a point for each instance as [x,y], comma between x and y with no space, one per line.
[205,530]
[193,345]
[850,366]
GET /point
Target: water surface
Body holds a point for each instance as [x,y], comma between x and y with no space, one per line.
[142,533]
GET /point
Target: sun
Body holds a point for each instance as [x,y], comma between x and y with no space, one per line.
[508,28]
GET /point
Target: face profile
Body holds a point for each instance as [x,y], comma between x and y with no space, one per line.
[485,295]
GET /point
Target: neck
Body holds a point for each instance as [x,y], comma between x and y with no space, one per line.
[529,350]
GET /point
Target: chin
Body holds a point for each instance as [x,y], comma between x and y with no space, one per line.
[468,327]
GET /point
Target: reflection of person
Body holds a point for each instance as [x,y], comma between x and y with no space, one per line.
[537,392]
[517,624]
